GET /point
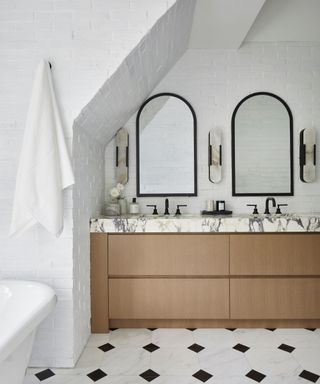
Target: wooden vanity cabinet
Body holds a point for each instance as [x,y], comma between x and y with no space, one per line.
[168,255]
[275,276]
[274,254]
[205,279]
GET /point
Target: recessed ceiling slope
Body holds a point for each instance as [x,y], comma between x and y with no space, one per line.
[222,24]
[122,94]
[287,20]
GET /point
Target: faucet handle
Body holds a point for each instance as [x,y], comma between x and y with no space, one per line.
[178,212]
[255,210]
[278,211]
[155,211]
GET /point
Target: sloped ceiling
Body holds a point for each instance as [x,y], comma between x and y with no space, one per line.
[203,24]
[122,94]
[287,20]
[223,24]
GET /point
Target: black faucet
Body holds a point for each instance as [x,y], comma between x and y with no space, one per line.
[166,205]
[268,199]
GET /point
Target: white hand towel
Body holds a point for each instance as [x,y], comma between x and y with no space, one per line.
[44,168]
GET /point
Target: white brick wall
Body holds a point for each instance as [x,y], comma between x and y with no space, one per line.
[85,40]
[88,196]
[214,82]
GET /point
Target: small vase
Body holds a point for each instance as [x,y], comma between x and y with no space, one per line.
[123,206]
[113,208]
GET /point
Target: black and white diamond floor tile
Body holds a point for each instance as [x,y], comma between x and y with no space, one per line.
[241,348]
[196,348]
[202,375]
[192,356]
[96,375]
[45,374]
[309,376]
[151,347]
[255,376]
[286,348]
[106,347]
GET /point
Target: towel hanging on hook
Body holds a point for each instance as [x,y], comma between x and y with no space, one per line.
[44,168]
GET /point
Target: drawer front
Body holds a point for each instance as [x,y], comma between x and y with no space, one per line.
[153,254]
[279,298]
[168,298]
[283,254]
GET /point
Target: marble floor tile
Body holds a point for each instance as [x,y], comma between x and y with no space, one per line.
[192,356]
[174,361]
[125,361]
[214,337]
[273,361]
[164,337]
[301,337]
[308,358]
[98,339]
[253,337]
[90,358]
[224,362]
[130,337]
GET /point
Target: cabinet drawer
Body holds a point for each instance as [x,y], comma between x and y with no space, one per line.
[168,298]
[154,254]
[279,298]
[280,254]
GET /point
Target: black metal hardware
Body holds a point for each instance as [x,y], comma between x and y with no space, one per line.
[117,156]
[127,156]
[233,151]
[210,155]
[155,211]
[178,212]
[278,211]
[302,151]
[255,210]
[166,207]
[220,154]
[268,199]
[314,153]
[50,65]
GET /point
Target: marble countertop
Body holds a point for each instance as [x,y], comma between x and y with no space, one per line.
[309,222]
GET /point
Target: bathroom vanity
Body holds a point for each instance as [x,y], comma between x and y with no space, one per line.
[194,271]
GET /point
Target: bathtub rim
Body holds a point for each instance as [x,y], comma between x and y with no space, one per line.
[15,336]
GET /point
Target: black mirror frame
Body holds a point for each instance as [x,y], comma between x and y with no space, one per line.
[234,193]
[139,194]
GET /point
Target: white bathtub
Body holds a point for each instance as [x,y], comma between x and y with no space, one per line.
[23,305]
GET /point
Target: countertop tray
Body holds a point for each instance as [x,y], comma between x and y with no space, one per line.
[215,213]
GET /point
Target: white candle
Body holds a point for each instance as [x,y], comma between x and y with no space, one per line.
[209,205]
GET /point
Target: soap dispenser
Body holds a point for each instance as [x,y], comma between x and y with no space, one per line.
[134,206]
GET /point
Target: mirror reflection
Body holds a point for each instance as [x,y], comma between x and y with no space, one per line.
[166,147]
[262,146]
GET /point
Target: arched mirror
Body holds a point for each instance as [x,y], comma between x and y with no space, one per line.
[166,147]
[262,151]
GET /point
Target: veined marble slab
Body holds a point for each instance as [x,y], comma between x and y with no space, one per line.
[198,223]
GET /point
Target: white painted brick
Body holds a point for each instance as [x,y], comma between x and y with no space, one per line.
[214,82]
[84,52]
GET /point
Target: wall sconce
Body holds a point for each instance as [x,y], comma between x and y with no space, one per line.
[122,156]
[215,155]
[308,155]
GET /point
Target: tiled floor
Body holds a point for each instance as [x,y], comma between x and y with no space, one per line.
[185,356]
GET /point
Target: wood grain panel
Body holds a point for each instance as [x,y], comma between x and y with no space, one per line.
[275,254]
[99,283]
[280,298]
[168,298]
[213,323]
[153,254]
